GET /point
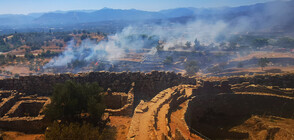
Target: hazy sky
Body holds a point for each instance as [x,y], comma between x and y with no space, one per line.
[31,6]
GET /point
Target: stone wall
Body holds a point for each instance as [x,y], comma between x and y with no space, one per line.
[6,104]
[115,100]
[22,113]
[26,108]
[24,124]
[147,85]
[127,109]
[208,114]
[281,80]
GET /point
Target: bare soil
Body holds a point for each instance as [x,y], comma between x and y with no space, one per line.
[11,135]
[179,123]
[122,125]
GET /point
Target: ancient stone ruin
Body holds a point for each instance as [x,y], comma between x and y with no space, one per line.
[162,105]
[209,110]
[23,113]
[120,104]
[123,91]
[146,85]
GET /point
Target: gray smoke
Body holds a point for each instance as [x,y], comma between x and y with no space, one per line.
[174,35]
[129,39]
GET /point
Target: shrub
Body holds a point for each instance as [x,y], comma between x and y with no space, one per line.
[70,99]
[29,56]
[109,133]
[285,42]
[263,62]
[260,42]
[76,131]
[72,131]
[16,75]
[188,44]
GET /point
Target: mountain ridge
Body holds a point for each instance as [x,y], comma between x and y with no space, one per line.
[266,13]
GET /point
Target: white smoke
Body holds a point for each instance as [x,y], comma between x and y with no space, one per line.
[115,47]
[173,35]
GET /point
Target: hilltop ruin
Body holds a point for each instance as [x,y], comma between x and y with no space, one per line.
[164,105]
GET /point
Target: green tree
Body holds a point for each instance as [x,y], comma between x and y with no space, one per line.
[60,45]
[11,56]
[84,37]
[260,42]
[2,57]
[16,75]
[2,42]
[196,44]
[188,44]
[263,62]
[285,42]
[191,67]
[70,99]
[159,47]
[67,38]
[5,48]
[29,56]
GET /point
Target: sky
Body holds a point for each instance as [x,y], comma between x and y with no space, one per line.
[35,6]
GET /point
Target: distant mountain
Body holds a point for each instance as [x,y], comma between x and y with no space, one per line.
[179,12]
[278,14]
[105,14]
[11,20]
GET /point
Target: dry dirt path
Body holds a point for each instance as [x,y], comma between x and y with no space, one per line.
[122,125]
[151,123]
[142,125]
[162,122]
[178,122]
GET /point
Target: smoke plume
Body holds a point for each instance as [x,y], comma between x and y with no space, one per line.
[174,35]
